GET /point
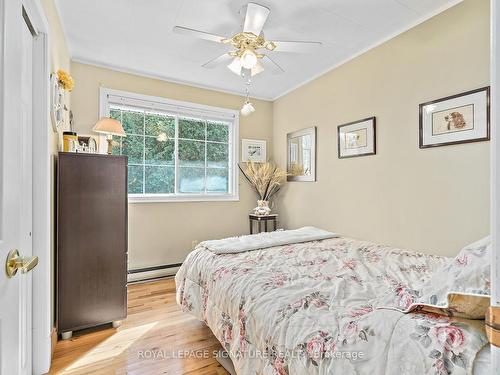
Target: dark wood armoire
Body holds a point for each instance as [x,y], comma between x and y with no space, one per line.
[91,278]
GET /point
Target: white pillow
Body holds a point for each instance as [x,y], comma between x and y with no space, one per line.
[468,273]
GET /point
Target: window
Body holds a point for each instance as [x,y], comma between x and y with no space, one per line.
[176,150]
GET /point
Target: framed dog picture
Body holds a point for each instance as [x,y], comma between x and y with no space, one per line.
[357,138]
[456,119]
[253,150]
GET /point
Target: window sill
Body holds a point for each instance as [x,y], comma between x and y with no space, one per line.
[157,198]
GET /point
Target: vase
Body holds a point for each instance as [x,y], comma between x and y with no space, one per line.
[262,208]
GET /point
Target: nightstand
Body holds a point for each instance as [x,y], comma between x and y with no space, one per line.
[262,219]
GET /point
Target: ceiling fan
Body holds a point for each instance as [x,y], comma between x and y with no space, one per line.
[250,45]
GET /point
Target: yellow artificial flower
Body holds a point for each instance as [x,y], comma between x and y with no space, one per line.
[65,80]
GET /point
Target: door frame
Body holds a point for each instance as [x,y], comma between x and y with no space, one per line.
[41,230]
[495,166]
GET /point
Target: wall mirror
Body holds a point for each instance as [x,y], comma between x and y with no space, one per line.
[301,158]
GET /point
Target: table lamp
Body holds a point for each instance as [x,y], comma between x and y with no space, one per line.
[110,127]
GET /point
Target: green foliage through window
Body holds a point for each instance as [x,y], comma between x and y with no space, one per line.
[150,144]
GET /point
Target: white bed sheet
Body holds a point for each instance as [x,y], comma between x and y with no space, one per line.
[482,363]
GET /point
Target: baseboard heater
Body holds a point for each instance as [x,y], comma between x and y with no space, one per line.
[153,272]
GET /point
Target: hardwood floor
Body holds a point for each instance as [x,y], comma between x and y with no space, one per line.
[152,340]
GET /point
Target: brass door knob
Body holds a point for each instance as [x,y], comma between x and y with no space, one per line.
[16,262]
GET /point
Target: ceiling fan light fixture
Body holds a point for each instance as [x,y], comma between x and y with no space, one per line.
[258,68]
[248,44]
[248,59]
[235,66]
[247,108]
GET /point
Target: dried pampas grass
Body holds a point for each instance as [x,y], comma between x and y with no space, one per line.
[265,178]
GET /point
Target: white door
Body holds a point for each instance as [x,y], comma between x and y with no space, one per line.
[16,192]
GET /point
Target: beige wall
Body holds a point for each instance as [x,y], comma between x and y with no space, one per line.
[60,59]
[161,233]
[59,48]
[435,200]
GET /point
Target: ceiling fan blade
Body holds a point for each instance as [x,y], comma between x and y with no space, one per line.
[222,59]
[296,46]
[198,34]
[255,18]
[273,66]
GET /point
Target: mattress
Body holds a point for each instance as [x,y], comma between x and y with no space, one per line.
[311,308]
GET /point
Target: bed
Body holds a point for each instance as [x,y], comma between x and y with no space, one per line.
[319,307]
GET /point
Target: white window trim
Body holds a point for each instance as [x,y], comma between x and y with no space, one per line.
[105,93]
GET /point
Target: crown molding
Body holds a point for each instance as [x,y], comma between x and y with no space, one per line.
[121,69]
[80,59]
[379,42]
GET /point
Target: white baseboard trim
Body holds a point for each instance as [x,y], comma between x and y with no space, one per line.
[151,275]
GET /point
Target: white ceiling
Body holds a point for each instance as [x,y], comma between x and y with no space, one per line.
[136,36]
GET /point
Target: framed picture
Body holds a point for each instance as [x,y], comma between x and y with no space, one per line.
[56,103]
[456,119]
[357,138]
[253,150]
[88,144]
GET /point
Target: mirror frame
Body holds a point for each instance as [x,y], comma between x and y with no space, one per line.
[308,131]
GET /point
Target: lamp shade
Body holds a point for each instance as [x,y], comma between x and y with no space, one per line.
[108,125]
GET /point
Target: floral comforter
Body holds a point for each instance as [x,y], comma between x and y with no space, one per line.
[311,308]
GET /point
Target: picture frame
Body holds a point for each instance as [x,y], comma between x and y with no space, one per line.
[88,143]
[301,155]
[456,119]
[56,103]
[253,150]
[357,138]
